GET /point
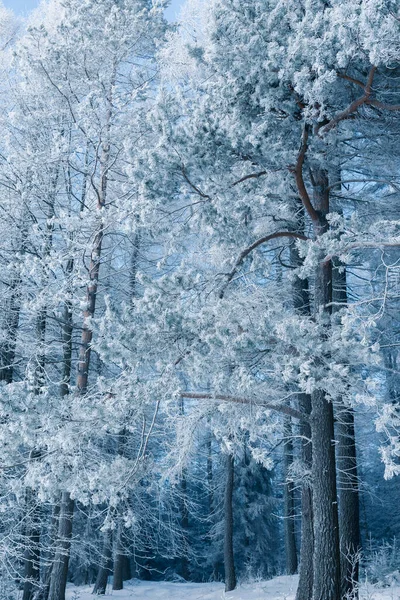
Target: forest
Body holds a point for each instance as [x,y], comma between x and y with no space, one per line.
[199,298]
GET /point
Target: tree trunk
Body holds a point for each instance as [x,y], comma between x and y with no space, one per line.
[301,301]
[118,568]
[59,570]
[349,507]
[289,503]
[7,349]
[104,571]
[32,552]
[229,564]
[306,571]
[325,509]
[48,556]
[184,569]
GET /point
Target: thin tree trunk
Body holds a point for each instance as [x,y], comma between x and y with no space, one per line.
[119,555]
[32,552]
[306,571]
[32,560]
[301,301]
[105,569]
[325,509]
[7,349]
[349,505]
[184,512]
[118,569]
[13,311]
[289,502]
[59,572]
[48,557]
[229,563]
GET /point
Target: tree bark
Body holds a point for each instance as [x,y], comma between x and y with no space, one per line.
[306,571]
[7,350]
[32,552]
[289,502]
[349,506]
[301,301]
[59,570]
[119,559]
[229,564]
[326,584]
[104,571]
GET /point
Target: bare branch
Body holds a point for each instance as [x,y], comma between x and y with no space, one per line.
[251,176]
[353,107]
[253,246]
[194,187]
[298,172]
[383,106]
[351,79]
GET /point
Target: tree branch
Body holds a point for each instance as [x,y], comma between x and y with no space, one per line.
[251,176]
[383,106]
[281,408]
[353,107]
[193,186]
[298,172]
[253,246]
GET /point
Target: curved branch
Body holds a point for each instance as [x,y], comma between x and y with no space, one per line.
[383,106]
[251,176]
[354,106]
[253,246]
[281,408]
[298,172]
[193,186]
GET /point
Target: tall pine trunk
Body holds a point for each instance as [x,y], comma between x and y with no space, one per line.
[326,584]
[32,551]
[301,303]
[289,502]
[349,506]
[59,571]
[229,563]
[306,571]
[105,569]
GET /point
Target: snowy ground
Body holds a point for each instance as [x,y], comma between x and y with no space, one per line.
[280,588]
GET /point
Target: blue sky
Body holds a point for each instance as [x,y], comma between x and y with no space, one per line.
[23,7]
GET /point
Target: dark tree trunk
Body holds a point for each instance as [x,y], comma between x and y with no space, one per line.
[289,503]
[48,556]
[349,506]
[326,526]
[325,509]
[184,567]
[126,569]
[105,567]
[32,552]
[185,526]
[306,571]
[301,300]
[118,568]
[59,570]
[229,564]
[7,349]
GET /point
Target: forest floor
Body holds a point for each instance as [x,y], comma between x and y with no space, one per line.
[279,588]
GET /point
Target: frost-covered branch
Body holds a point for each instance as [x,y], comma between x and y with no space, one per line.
[256,244]
[281,408]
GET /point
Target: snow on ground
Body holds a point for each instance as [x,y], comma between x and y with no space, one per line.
[279,588]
